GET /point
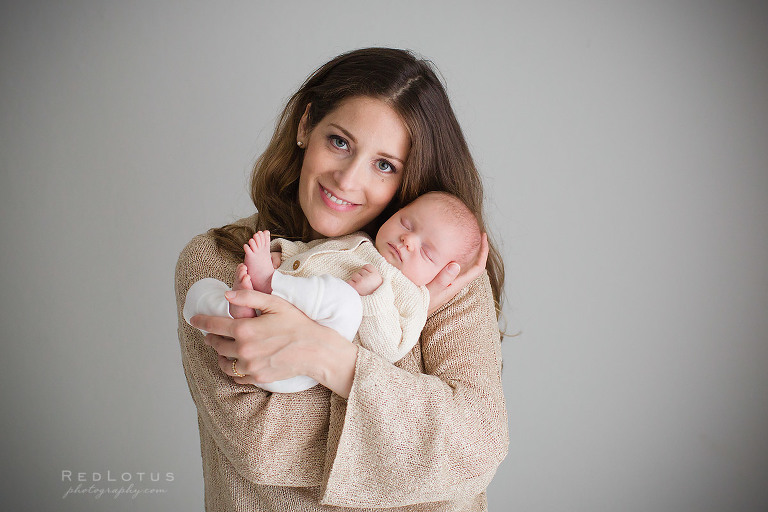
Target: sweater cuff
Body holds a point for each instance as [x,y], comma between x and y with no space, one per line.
[383,297]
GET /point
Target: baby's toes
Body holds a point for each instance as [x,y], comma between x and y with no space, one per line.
[240,273]
[262,238]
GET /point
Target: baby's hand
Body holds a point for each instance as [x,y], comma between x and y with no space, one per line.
[366,280]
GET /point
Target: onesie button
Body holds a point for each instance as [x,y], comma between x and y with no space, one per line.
[296,264]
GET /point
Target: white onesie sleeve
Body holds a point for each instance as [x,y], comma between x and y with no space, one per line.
[206,297]
[326,299]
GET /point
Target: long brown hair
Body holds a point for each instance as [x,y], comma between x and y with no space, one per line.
[439,158]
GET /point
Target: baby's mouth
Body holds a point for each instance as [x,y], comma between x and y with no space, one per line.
[396,251]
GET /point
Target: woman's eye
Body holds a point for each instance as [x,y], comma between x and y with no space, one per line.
[338,142]
[385,166]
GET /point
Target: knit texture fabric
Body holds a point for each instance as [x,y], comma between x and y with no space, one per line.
[424,434]
[393,315]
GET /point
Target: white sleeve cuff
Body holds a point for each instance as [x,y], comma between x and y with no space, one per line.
[206,297]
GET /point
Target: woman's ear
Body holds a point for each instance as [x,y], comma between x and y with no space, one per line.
[303,123]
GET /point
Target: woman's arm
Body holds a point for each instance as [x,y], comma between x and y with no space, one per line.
[404,437]
[245,427]
[279,344]
[283,342]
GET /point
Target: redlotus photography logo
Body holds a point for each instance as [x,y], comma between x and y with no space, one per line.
[114,484]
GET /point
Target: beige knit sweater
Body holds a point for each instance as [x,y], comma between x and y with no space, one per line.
[393,315]
[424,434]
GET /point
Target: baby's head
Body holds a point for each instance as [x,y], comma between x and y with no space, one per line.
[432,231]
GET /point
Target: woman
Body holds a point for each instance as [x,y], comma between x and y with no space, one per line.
[367,132]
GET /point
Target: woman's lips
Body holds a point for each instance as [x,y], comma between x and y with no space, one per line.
[334,202]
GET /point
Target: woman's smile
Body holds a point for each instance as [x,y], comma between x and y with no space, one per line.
[336,202]
[352,167]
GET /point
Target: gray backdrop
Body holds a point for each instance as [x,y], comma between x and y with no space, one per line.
[624,147]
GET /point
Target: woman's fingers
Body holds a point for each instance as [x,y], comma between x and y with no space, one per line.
[477,268]
[266,348]
[444,278]
[447,283]
[225,347]
[440,289]
[252,299]
[220,325]
[228,327]
[244,380]
[482,258]
[232,367]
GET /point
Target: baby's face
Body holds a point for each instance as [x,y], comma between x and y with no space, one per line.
[419,240]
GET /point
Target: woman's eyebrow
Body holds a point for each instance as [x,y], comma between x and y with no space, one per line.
[353,139]
[345,132]
[385,155]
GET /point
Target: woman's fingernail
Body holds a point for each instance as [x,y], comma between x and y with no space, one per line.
[454,269]
[229,294]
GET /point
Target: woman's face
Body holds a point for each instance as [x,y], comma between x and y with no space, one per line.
[353,165]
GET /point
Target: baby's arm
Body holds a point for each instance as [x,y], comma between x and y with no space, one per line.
[366,280]
[393,317]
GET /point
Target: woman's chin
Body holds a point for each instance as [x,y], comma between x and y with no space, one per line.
[331,230]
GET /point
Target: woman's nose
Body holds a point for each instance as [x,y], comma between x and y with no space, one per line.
[349,175]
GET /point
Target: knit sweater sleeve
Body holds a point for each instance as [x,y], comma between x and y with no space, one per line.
[274,439]
[393,316]
[406,437]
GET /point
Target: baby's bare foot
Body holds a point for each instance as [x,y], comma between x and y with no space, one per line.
[366,280]
[242,282]
[277,259]
[258,259]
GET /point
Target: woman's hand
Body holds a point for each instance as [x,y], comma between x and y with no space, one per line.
[280,344]
[446,284]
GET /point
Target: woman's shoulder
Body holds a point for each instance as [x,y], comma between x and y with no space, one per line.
[203,246]
[201,257]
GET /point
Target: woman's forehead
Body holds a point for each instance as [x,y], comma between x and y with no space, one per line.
[372,122]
